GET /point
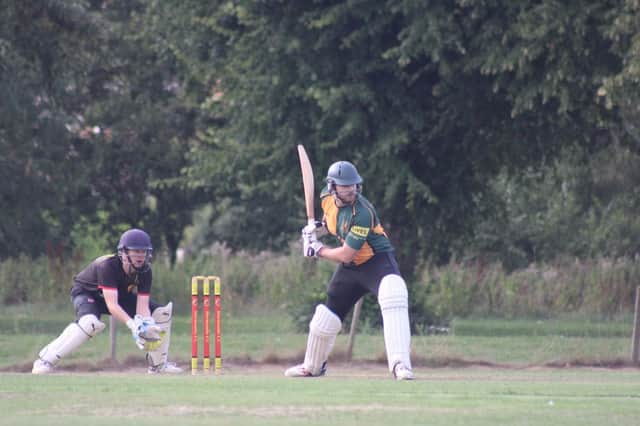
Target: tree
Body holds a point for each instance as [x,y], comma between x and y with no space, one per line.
[92,126]
[429,99]
[44,49]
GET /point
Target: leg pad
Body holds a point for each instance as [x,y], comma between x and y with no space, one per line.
[394,303]
[323,329]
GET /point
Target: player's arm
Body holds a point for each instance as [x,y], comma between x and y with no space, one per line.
[142,331]
[142,306]
[342,254]
[111,299]
[354,241]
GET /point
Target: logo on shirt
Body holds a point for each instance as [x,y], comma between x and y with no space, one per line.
[132,287]
[360,231]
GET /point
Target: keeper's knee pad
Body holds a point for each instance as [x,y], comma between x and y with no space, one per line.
[91,325]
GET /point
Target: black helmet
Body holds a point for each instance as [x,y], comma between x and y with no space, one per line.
[136,239]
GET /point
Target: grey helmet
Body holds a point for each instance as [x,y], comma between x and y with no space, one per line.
[343,173]
[136,239]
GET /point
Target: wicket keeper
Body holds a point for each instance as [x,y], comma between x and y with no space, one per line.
[366,264]
[118,285]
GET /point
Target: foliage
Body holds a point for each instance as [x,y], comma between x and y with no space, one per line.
[578,206]
[90,122]
[597,288]
[429,100]
[45,62]
[460,115]
[24,280]
[619,91]
[270,281]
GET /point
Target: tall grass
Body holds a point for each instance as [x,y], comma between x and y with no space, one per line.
[598,288]
[262,281]
[601,288]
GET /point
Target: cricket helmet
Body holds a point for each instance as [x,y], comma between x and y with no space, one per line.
[136,239]
[342,173]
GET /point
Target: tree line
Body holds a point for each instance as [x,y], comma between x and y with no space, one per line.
[487,128]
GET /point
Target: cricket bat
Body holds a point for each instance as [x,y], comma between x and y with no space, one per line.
[308,184]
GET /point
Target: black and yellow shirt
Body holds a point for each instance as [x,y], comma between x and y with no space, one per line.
[358,225]
[107,272]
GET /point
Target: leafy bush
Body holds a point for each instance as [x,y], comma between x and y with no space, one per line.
[582,205]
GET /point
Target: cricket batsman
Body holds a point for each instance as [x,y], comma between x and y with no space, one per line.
[366,264]
[118,285]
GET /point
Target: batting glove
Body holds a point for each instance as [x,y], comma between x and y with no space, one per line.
[310,245]
[313,227]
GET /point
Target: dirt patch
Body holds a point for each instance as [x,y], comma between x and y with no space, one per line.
[276,364]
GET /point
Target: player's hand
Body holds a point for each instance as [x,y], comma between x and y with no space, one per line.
[310,245]
[135,324]
[144,328]
[313,228]
[149,331]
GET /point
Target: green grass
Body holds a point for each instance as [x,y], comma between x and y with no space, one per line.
[441,397]
[271,336]
[517,390]
[566,327]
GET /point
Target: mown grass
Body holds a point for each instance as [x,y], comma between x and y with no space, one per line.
[485,372]
[258,336]
[566,327]
[473,396]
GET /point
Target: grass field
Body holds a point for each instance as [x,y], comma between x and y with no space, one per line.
[474,396]
[486,372]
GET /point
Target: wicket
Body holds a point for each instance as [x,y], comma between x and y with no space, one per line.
[206,284]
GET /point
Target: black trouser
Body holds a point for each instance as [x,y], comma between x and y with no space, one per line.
[86,303]
[349,282]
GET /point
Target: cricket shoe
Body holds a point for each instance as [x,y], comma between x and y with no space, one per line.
[166,368]
[401,372]
[41,366]
[301,371]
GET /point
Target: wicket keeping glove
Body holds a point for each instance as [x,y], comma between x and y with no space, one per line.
[150,331]
[145,332]
[149,345]
[135,324]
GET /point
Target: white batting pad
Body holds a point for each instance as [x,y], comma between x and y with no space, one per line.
[393,300]
[162,315]
[323,329]
[74,335]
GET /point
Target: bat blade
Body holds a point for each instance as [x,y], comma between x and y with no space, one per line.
[307,183]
